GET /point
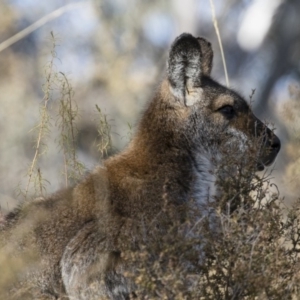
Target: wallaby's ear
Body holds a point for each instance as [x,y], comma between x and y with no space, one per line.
[207,55]
[189,59]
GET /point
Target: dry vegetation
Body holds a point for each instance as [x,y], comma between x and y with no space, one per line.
[290,110]
[244,245]
[238,247]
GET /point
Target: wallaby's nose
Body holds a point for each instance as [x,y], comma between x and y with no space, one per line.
[272,148]
[276,145]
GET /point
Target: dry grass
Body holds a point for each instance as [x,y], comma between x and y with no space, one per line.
[236,247]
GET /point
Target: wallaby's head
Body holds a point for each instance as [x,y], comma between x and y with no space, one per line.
[214,117]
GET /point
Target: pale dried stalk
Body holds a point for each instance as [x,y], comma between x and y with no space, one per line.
[53,15]
[215,22]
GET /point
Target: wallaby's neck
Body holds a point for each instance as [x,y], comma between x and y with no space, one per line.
[160,146]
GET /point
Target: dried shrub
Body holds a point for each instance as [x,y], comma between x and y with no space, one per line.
[290,110]
[242,245]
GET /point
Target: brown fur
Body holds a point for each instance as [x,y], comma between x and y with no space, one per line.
[77,235]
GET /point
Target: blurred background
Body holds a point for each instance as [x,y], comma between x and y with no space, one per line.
[113,54]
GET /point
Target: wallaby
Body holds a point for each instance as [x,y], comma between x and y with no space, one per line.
[71,243]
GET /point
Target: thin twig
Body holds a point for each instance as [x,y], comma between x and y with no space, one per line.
[71,118]
[68,112]
[215,22]
[64,149]
[44,118]
[53,15]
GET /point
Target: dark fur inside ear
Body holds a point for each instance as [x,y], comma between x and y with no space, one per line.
[184,65]
[206,55]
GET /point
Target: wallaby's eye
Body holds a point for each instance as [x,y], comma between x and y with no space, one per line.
[227,111]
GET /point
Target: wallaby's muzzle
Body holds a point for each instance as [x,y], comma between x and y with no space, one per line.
[271,147]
